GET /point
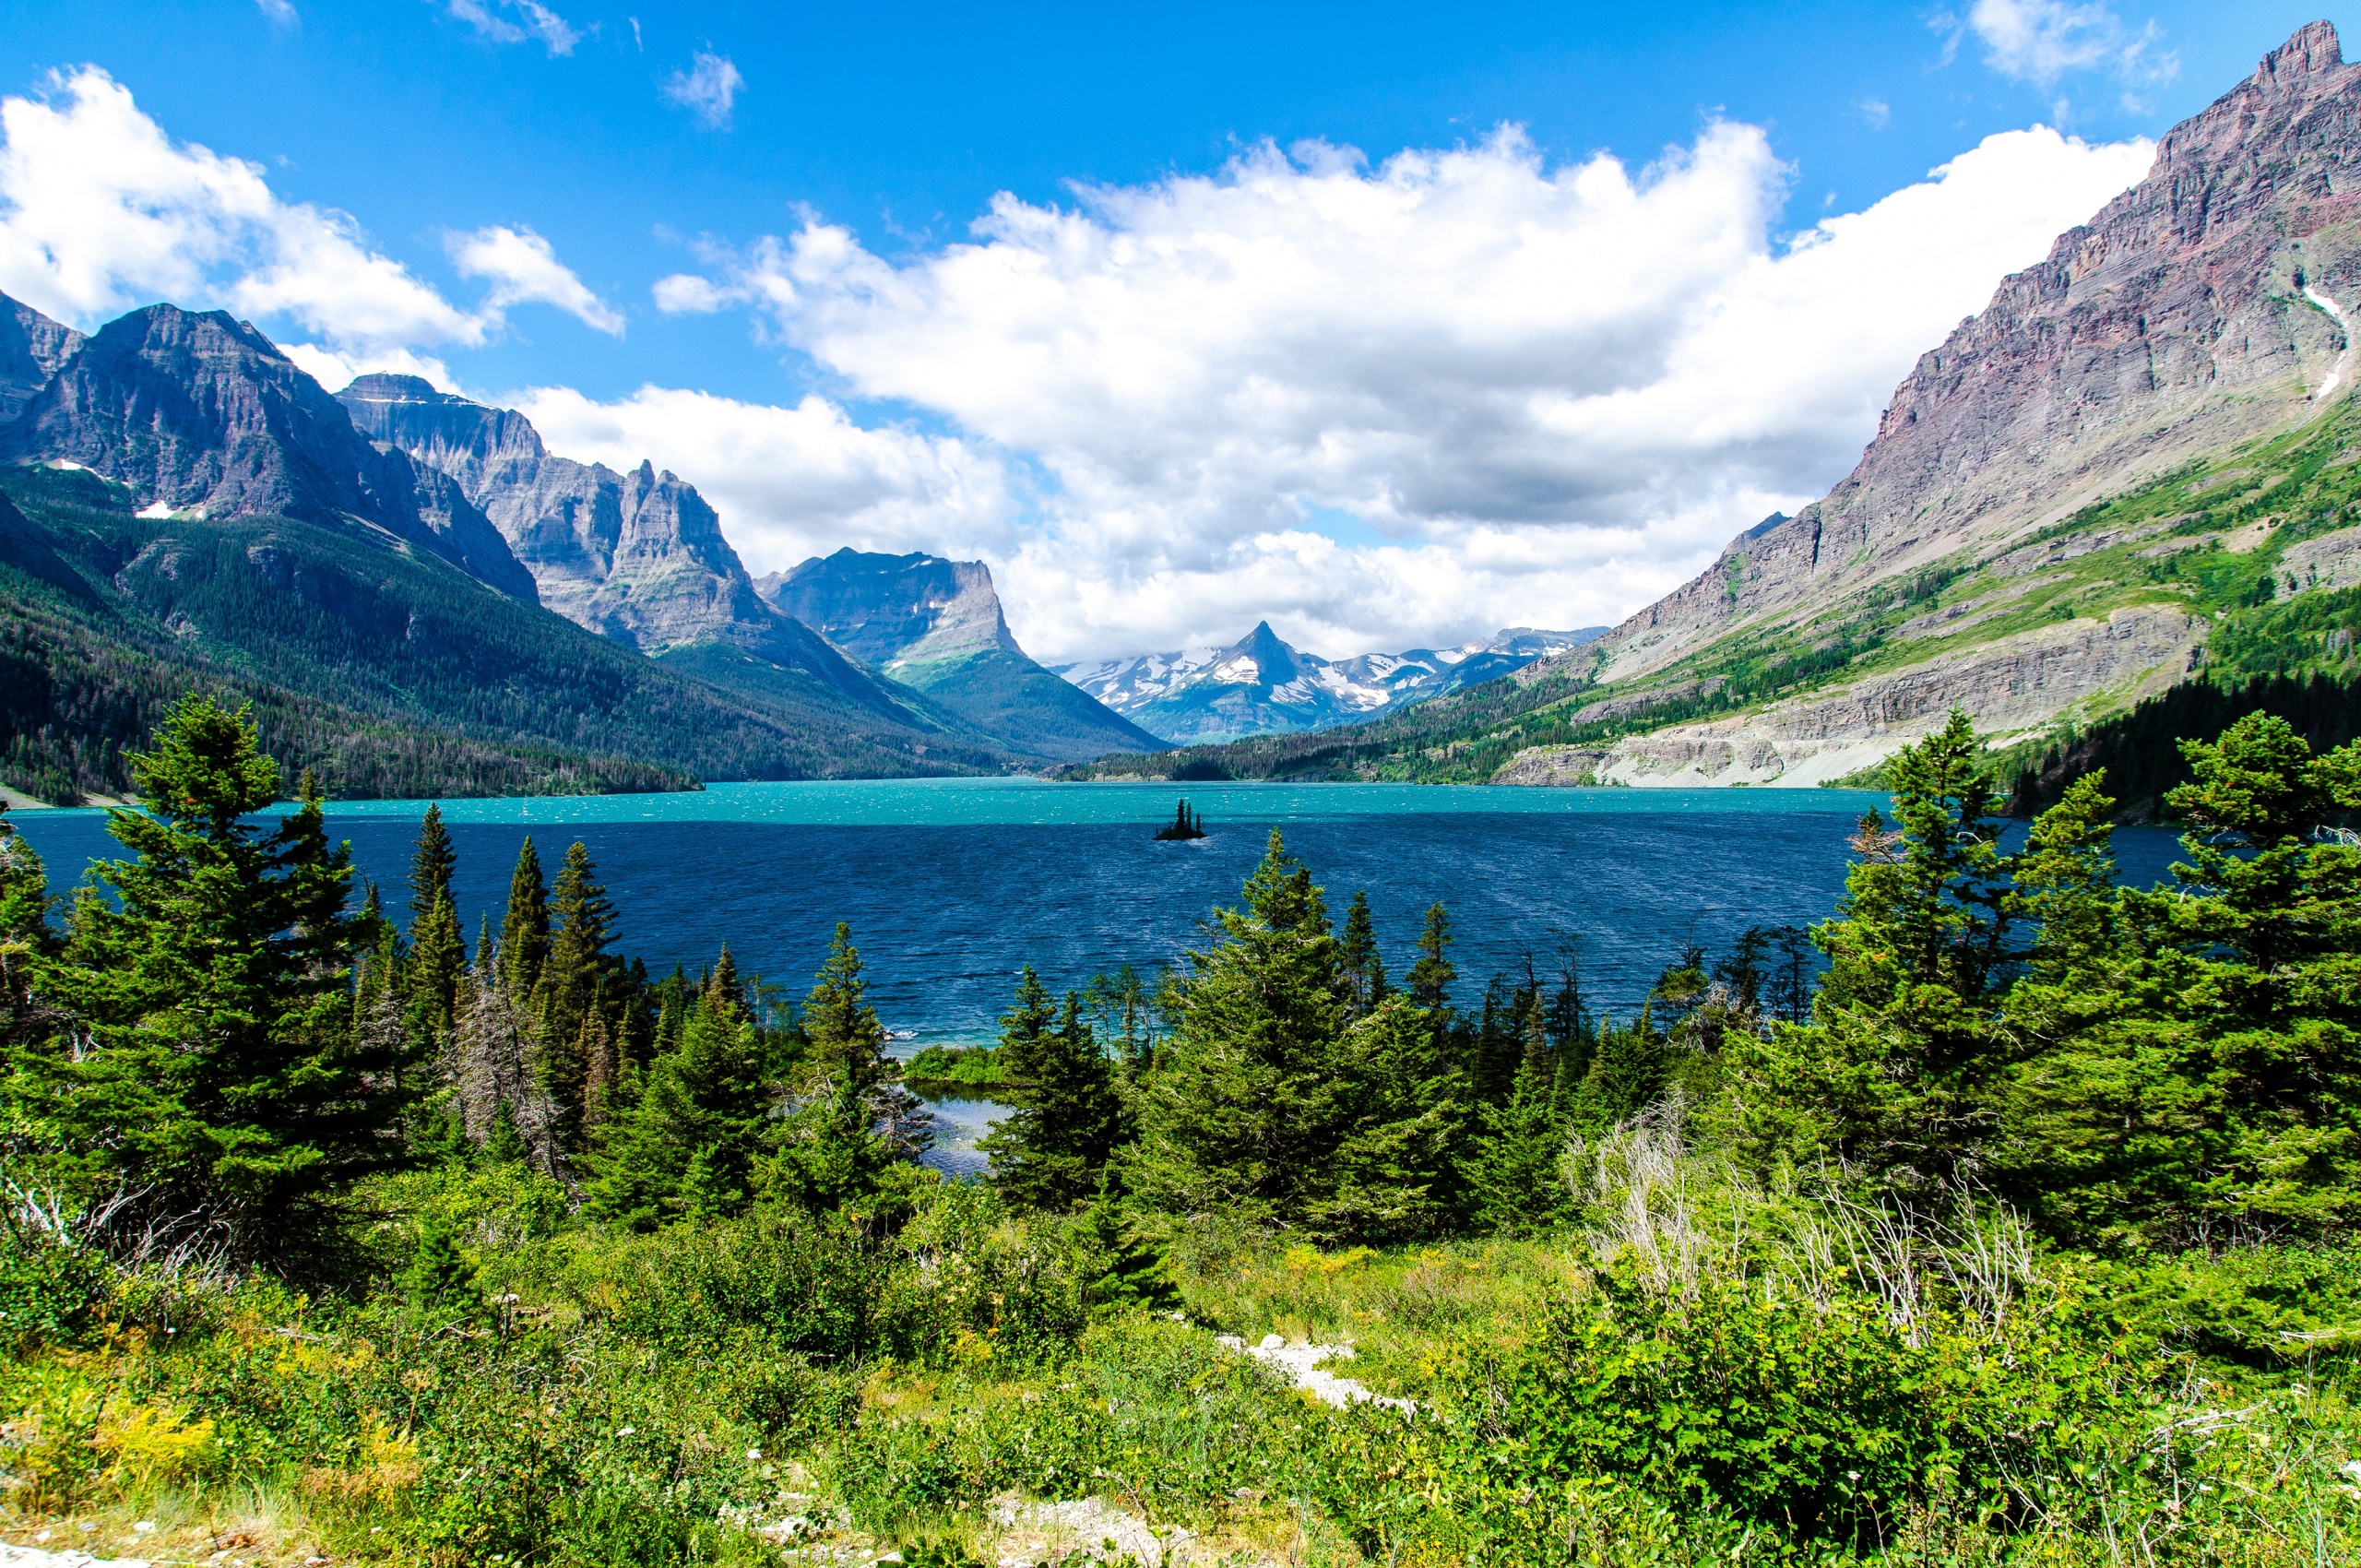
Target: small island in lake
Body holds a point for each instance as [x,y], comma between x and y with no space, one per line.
[1185,824]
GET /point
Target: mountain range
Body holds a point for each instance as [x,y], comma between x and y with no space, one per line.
[2131,469]
[419,598]
[1259,685]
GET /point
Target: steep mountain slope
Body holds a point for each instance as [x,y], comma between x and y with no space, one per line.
[1260,686]
[352,618]
[936,626]
[32,348]
[194,509]
[638,557]
[202,415]
[2108,482]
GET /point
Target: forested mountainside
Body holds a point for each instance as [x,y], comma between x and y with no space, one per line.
[424,602]
[2129,471]
[936,626]
[384,669]
[1261,685]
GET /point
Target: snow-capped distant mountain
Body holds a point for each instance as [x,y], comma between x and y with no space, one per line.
[1259,685]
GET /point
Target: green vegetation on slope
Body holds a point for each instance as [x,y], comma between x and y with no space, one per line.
[384,671]
[2029,1241]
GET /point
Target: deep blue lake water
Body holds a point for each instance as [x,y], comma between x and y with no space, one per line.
[950,884]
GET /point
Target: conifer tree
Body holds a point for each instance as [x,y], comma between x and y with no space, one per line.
[1512,1179]
[216,1074]
[1498,1045]
[1364,972]
[689,1146]
[525,933]
[585,928]
[847,1043]
[26,939]
[491,1069]
[1629,1072]
[1429,978]
[1264,1107]
[2197,1065]
[438,961]
[431,865]
[1051,1152]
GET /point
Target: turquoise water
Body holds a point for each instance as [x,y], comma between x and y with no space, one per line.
[1033,803]
[951,884]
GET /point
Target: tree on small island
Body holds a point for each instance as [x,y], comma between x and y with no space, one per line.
[1185,824]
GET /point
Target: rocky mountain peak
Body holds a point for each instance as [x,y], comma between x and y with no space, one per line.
[199,412]
[385,387]
[2202,308]
[32,346]
[893,610]
[2312,50]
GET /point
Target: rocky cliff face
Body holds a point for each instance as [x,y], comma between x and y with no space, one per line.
[32,348]
[2198,309]
[1261,685]
[936,626]
[893,609]
[639,556]
[201,413]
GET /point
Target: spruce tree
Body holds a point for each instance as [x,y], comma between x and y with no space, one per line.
[1265,1107]
[1513,1178]
[691,1145]
[1499,1044]
[2197,1047]
[570,983]
[1429,978]
[1364,970]
[215,1073]
[525,932]
[847,1041]
[431,865]
[438,959]
[27,942]
[1629,1072]
[1051,1152]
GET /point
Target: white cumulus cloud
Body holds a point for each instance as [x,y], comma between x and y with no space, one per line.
[522,267]
[1459,389]
[280,13]
[708,88]
[101,210]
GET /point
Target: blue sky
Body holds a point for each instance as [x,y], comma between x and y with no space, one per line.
[890,130]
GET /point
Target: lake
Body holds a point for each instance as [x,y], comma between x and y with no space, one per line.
[951,884]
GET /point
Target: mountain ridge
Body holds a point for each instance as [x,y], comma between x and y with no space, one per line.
[1262,685]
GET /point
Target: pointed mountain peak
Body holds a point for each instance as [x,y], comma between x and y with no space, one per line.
[2311,51]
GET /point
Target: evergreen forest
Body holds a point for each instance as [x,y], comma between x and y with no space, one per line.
[2006,1216]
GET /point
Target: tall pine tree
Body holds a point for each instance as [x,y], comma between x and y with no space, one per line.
[525,932]
[691,1145]
[431,865]
[215,1074]
[577,965]
[1051,1152]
